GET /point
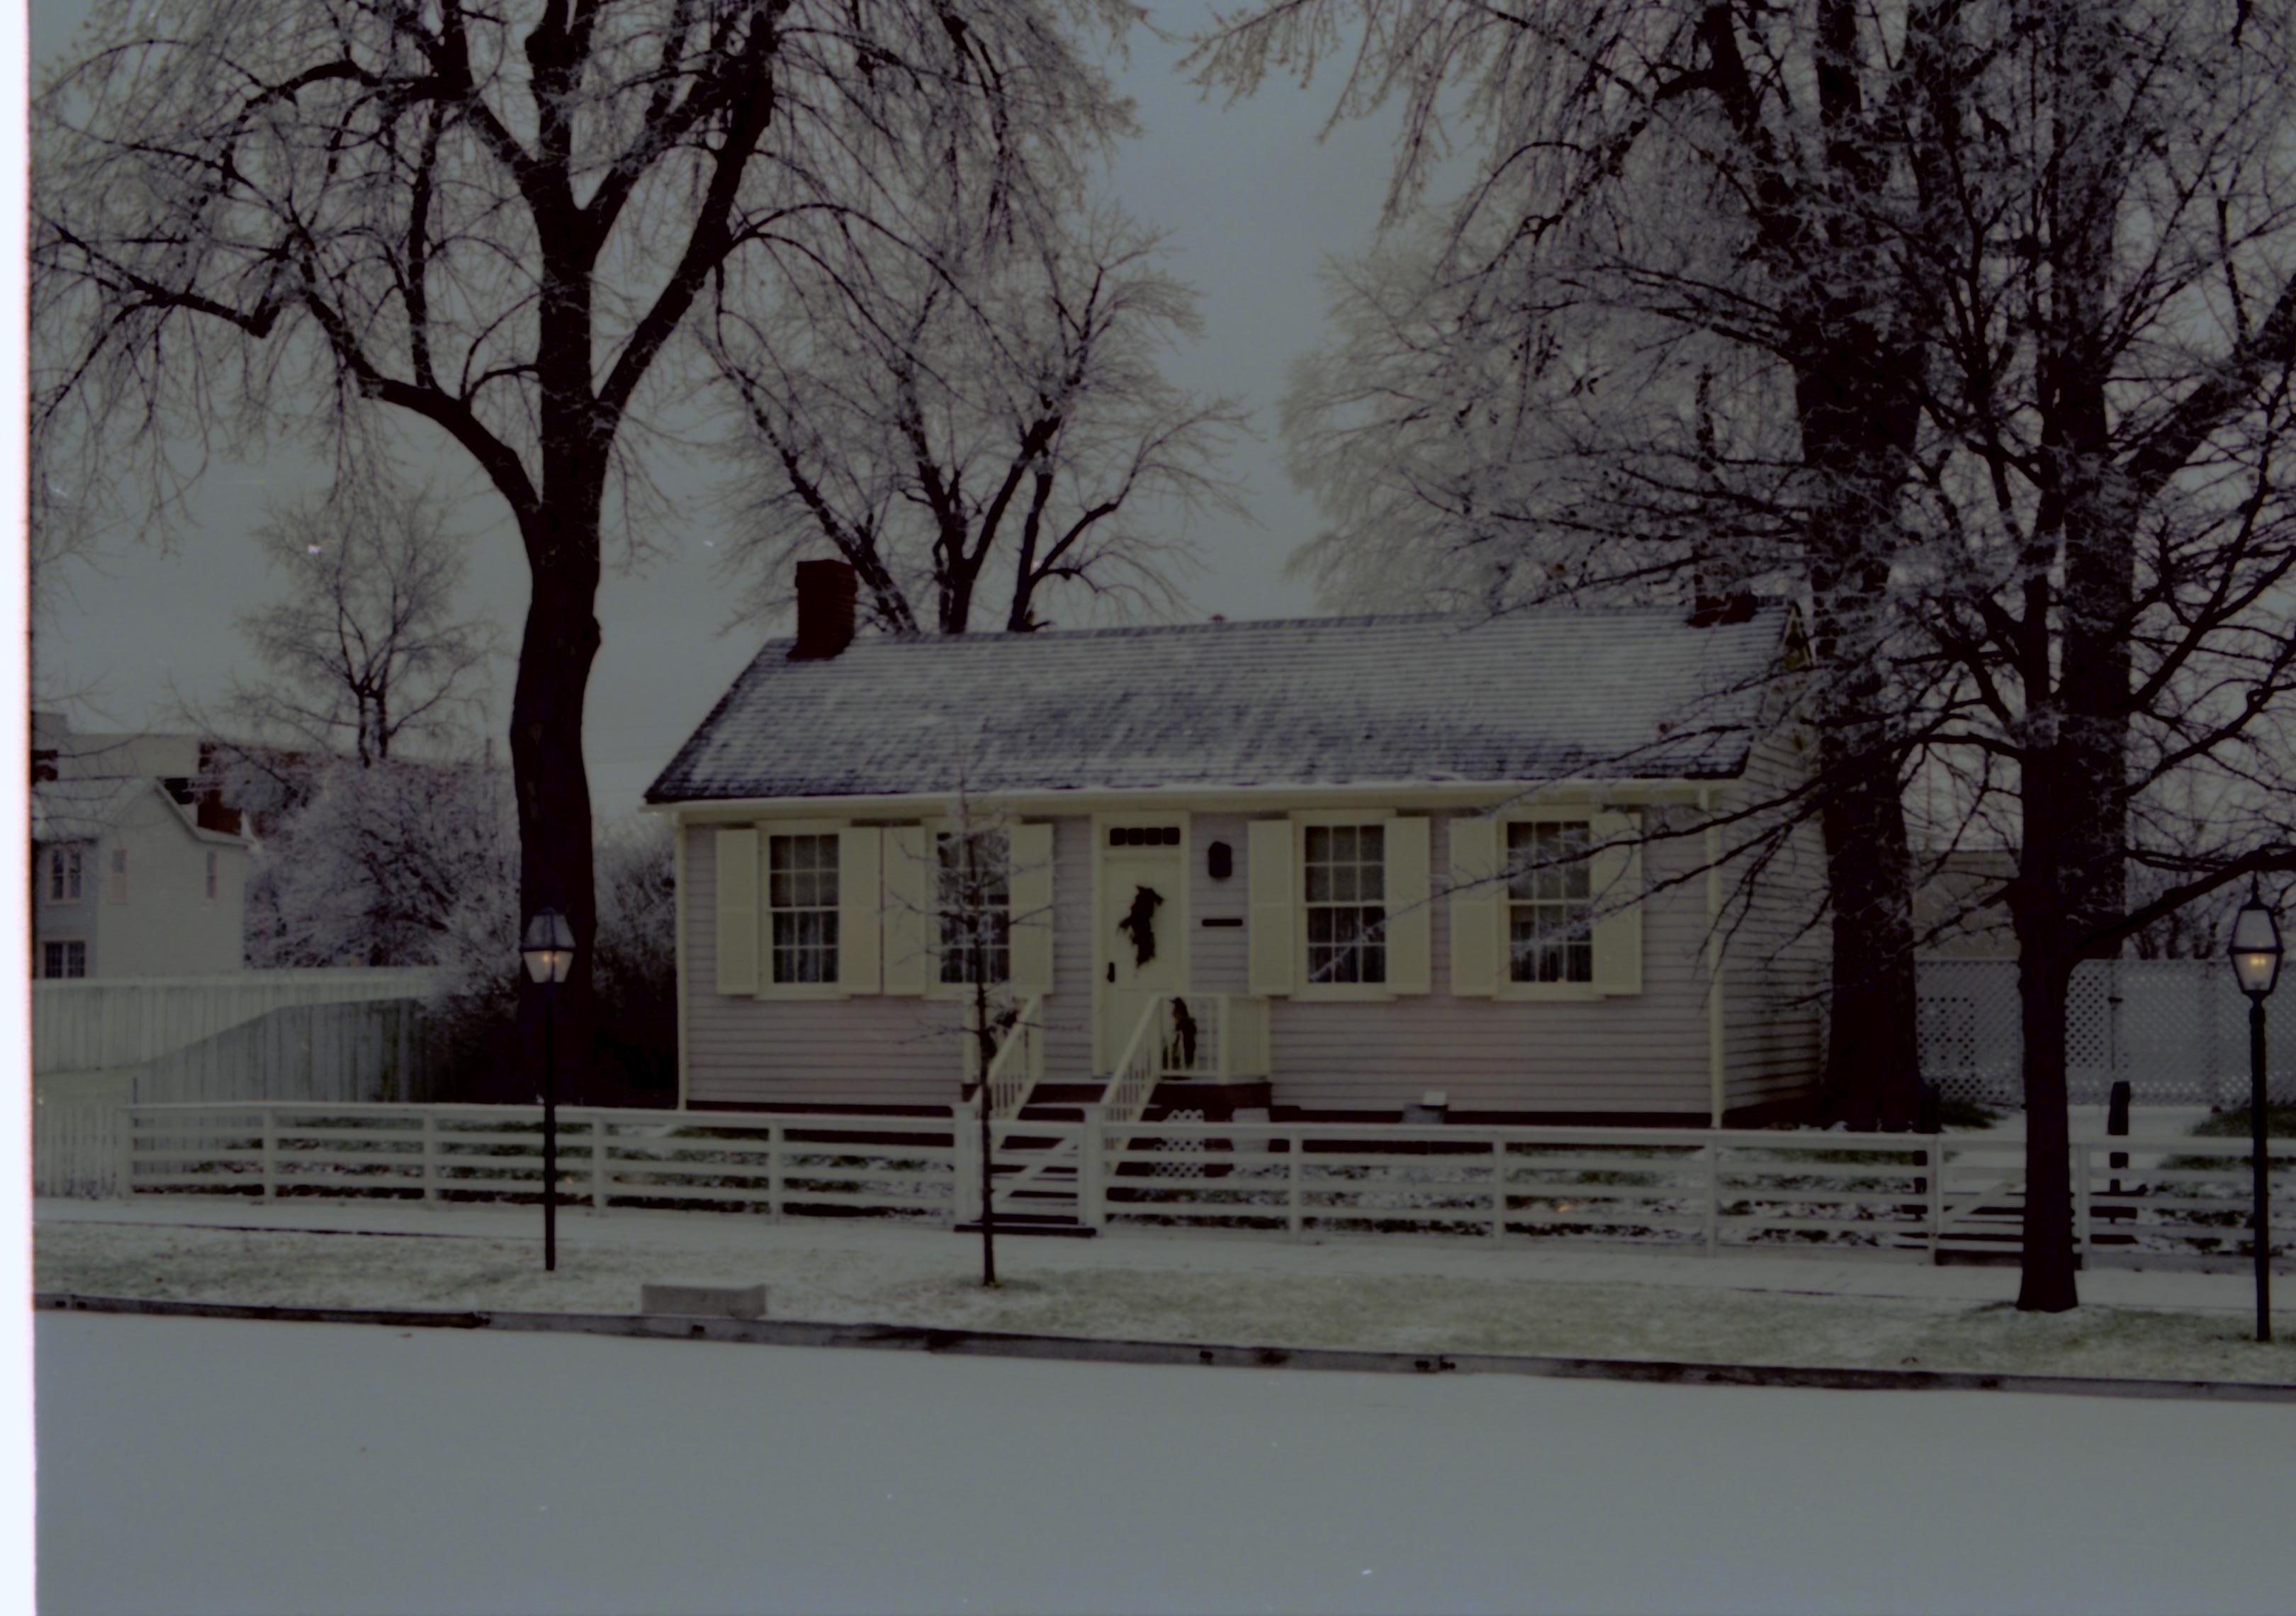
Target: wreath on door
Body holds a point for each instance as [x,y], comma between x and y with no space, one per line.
[1139,924]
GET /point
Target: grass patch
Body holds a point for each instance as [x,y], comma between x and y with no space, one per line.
[2279,1123]
[1966,1114]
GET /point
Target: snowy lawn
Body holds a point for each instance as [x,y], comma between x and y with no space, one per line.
[1401,1297]
[191,1466]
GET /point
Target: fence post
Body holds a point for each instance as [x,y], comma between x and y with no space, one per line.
[1292,1176]
[2081,1197]
[1092,1169]
[429,1160]
[1498,1187]
[126,1116]
[1713,1196]
[270,1144]
[1937,1196]
[967,1154]
[597,1162]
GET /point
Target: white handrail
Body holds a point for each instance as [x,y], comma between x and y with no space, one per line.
[1012,1074]
[1137,1072]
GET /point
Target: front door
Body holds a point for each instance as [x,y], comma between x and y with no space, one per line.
[1142,947]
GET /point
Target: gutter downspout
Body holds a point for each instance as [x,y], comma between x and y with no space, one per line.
[1714,1018]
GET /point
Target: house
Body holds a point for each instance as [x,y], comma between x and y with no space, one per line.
[1328,869]
[138,870]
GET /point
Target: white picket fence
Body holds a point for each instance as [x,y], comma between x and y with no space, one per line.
[2142,1199]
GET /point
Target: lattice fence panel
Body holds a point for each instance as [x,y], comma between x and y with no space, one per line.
[2176,1030]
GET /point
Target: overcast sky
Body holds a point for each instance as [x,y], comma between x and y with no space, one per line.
[1254,204]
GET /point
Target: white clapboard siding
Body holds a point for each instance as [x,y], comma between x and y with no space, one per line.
[1647,1055]
[1774,968]
[866,1049]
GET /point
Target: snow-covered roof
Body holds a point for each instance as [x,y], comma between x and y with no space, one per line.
[83,810]
[90,809]
[1536,695]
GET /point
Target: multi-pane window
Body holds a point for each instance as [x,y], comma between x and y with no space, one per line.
[64,868]
[64,959]
[1346,870]
[116,889]
[1550,902]
[801,894]
[976,907]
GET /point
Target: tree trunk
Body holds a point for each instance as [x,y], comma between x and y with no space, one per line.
[1857,418]
[2047,1285]
[552,786]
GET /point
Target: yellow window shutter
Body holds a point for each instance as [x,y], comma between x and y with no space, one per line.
[737,909]
[1407,931]
[1030,883]
[1476,901]
[1617,880]
[908,927]
[1272,883]
[860,851]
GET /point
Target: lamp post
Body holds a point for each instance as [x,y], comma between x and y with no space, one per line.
[548,951]
[2256,963]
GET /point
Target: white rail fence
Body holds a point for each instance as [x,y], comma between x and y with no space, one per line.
[2175,1030]
[2145,1199]
[778,1165]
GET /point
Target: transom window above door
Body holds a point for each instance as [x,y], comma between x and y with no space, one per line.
[1143,835]
[801,892]
[1345,866]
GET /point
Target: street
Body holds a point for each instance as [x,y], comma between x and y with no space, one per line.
[197,1465]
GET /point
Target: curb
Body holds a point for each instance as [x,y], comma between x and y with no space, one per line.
[1090,1350]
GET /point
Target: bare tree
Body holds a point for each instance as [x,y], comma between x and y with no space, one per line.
[993,421]
[2106,588]
[365,649]
[1662,321]
[252,215]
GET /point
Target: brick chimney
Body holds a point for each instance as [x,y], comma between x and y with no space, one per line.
[825,595]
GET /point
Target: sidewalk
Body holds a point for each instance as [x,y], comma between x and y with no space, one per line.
[720,1237]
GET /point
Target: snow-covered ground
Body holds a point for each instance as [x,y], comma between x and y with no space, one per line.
[189,1467]
[1395,1294]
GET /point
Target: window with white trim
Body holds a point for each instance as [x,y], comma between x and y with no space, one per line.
[64,959]
[1550,901]
[115,889]
[65,868]
[975,902]
[801,897]
[1345,871]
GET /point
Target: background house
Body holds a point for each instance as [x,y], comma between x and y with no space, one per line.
[138,867]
